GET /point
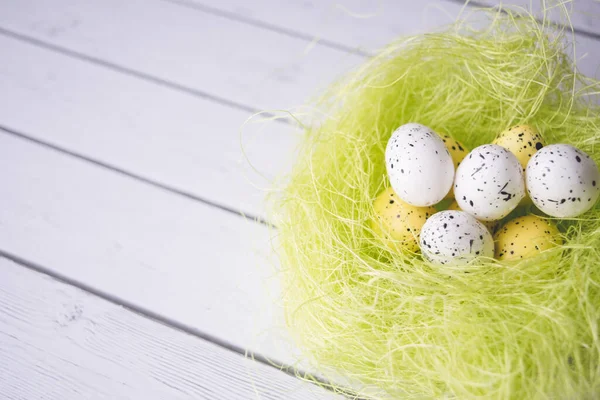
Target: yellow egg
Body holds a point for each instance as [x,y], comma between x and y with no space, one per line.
[458,152]
[521,140]
[491,225]
[456,149]
[525,237]
[397,223]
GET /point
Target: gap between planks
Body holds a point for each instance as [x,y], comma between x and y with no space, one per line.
[148,249]
[128,71]
[503,6]
[269,26]
[222,11]
[167,322]
[75,342]
[148,181]
[174,86]
[154,80]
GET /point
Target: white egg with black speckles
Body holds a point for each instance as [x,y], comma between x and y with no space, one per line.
[419,166]
[563,181]
[455,238]
[489,183]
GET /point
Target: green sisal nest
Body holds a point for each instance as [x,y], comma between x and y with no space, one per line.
[393,324]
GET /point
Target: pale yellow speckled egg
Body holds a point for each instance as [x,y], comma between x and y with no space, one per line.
[525,237]
[458,152]
[397,223]
[491,225]
[521,140]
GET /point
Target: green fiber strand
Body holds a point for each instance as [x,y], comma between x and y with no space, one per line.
[394,322]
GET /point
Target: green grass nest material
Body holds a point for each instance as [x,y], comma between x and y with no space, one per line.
[394,322]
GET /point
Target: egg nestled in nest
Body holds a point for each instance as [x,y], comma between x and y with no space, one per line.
[563,181]
[398,224]
[491,225]
[402,324]
[525,237]
[419,165]
[521,140]
[489,183]
[455,238]
[458,152]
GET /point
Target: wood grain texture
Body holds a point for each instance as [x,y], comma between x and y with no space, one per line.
[202,268]
[352,24]
[584,14]
[160,91]
[188,143]
[132,123]
[223,58]
[371,25]
[58,342]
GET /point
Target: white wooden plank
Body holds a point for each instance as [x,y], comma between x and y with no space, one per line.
[174,138]
[219,56]
[187,262]
[171,137]
[354,24]
[58,342]
[189,143]
[371,25]
[584,14]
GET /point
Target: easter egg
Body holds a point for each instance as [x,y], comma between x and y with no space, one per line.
[457,151]
[525,237]
[418,164]
[491,225]
[398,223]
[563,181]
[521,140]
[455,238]
[489,183]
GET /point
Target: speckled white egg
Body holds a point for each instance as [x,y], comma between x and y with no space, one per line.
[489,183]
[491,225]
[419,166]
[455,238]
[563,181]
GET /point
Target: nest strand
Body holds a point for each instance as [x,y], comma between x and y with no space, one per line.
[526,330]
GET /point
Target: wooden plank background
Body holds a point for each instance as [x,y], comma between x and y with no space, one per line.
[125,182]
[57,341]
